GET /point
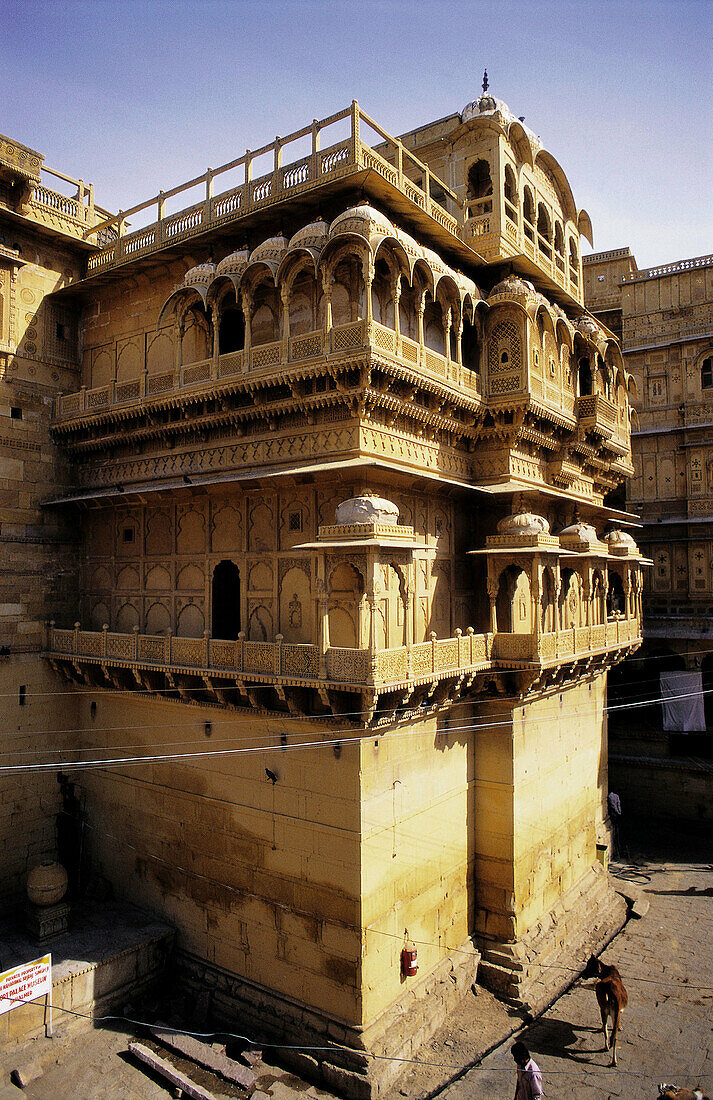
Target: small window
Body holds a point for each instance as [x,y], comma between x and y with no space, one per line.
[15,412]
[295,521]
[707,373]
[128,534]
[61,331]
[504,358]
[600,278]
[22,695]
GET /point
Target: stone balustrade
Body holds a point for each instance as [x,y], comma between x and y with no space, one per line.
[269,358]
[354,669]
[347,156]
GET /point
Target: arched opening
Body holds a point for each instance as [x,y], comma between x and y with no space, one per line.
[513,604]
[528,213]
[569,601]
[347,292]
[547,602]
[407,311]
[470,351]
[196,341]
[231,331]
[597,609]
[511,198]
[544,231]
[616,597]
[559,246]
[584,375]
[346,587]
[226,600]
[382,302]
[573,261]
[707,373]
[480,189]
[302,311]
[433,331]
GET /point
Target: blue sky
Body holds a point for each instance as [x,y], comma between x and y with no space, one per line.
[141,95]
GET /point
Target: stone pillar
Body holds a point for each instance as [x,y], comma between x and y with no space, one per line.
[368,272]
[397,300]
[492,596]
[285,296]
[323,626]
[327,291]
[447,325]
[420,310]
[587,590]
[215,321]
[246,303]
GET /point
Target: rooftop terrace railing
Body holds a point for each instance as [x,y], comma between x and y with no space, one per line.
[668,269]
[321,165]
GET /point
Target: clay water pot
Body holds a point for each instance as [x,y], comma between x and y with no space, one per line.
[47,883]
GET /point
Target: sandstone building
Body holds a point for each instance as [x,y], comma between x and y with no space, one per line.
[304,466]
[664,318]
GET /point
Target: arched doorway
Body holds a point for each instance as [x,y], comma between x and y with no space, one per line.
[226,601]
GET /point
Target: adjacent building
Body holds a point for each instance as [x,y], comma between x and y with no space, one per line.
[664,318]
[309,483]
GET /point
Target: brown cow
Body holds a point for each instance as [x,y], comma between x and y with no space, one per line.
[672,1092]
[611,997]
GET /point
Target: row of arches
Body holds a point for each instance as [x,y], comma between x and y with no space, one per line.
[265,307]
[564,603]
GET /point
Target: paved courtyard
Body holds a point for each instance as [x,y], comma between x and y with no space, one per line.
[666,960]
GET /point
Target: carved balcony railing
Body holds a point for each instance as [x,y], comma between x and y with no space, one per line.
[268,359]
[596,413]
[345,157]
[220,664]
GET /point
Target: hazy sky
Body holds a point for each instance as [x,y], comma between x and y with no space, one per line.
[138,95]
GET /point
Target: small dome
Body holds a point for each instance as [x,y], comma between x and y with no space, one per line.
[357,218]
[367,508]
[617,537]
[485,104]
[313,235]
[524,523]
[512,286]
[233,263]
[270,252]
[582,531]
[201,275]
[587,326]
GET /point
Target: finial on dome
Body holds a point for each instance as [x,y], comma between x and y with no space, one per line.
[485,80]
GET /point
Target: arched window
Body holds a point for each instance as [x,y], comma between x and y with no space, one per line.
[586,382]
[528,213]
[573,261]
[559,246]
[544,230]
[231,332]
[511,202]
[226,600]
[469,346]
[707,373]
[480,186]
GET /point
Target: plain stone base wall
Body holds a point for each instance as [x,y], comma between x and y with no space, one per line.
[673,789]
[359,1063]
[532,971]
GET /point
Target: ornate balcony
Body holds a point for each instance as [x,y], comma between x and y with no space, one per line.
[261,361]
[301,679]
[597,414]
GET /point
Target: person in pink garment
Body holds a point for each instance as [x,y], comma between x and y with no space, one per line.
[529,1078]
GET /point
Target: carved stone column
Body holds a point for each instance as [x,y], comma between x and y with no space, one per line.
[368,272]
[587,591]
[285,296]
[447,325]
[493,596]
[215,322]
[327,292]
[397,301]
[246,304]
[420,310]
[323,626]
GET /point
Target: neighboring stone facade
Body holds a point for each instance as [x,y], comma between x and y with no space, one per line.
[665,318]
[331,485]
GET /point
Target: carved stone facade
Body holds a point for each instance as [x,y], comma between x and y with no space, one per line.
[336,489]
[664,316]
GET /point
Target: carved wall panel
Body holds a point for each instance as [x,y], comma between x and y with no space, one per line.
[260,621]
[130,359]
[191,578]
[160,354]
[100,615]
[296,616]
[128,579]
[261,530]
[227,530]
[158,619]
[190,622]
[190,536]
[158,534]
[260,577]
[127,618]
[158,578]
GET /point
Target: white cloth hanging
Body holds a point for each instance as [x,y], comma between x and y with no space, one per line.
[682,701]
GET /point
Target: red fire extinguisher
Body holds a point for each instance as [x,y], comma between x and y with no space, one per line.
[409,959]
